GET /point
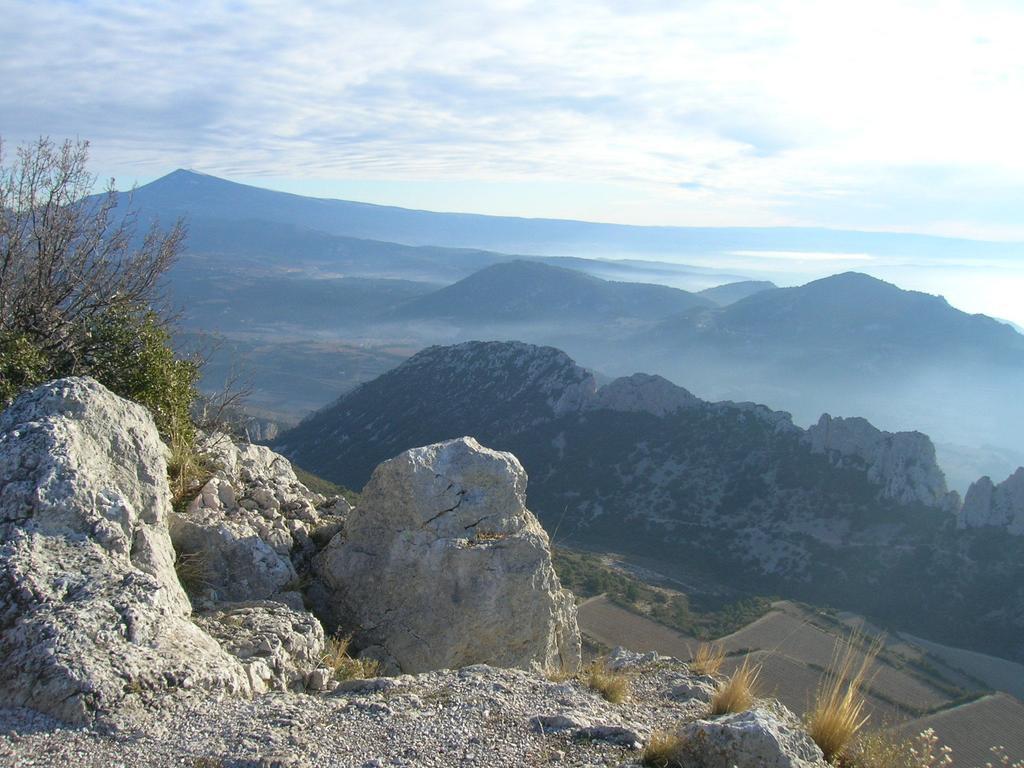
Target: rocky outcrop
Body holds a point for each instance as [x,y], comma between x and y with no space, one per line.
[757,738]
[92,616]
[643,392]
[902,463]
[279,647]
[442,566]
[988,504]
[248,524]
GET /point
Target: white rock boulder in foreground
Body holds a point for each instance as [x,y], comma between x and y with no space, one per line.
[92,616]
[443,566]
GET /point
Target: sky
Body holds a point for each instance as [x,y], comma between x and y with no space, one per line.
[870,115]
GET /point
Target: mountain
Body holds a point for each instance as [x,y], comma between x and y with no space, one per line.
[844,344]
[185,192]
[730,293]
[523,292]
[852,343]
[730,491]
[846,314]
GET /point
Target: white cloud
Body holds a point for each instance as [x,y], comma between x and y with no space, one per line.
[707,112]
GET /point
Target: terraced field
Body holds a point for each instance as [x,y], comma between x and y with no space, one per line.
[915,685]
[793,683]
[791,631]
[611,625]
[970,729]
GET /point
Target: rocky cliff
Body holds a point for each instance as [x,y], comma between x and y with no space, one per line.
[903,464]
[734,490]
[990,505]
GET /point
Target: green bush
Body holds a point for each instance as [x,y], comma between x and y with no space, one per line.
[22,366]
[130,354]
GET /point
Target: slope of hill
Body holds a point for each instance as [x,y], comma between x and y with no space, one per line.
[733,489]
[849,315]
[526,292]
[730,293]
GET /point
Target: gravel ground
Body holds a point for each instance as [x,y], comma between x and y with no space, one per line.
[474,716]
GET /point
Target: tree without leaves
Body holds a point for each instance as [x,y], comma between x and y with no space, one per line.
[66,257]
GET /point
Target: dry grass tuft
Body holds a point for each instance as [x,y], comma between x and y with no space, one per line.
[837,715]
[737,693]
[193,570]
[612,685]
[663,750]
[708,659]
[345,667]
[560,673]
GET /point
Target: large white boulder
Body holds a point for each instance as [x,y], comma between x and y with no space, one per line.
[92,616]
[758,738]
[442,565]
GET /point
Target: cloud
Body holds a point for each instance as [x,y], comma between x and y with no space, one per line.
[778,114]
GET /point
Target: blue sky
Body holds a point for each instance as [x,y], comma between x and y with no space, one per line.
[871,115]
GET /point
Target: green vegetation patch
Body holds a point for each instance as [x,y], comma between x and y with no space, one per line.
[587,575]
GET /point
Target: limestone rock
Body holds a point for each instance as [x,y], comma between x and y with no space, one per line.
[902,463]
[1002,505]
[758,738]
[249,524]
[443,565]
[652,394]
[280,648]
[644,392]
[92,616]
[622,658]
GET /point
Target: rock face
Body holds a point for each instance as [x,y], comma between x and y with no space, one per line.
[443,565]
[643,392]
[279,646]
[91,612]
[903,463]
[517,385]
[246,524]
[1002,505]
[757,738]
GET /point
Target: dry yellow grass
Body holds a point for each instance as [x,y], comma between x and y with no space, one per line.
[837,714]
[737,693]
[663,750]
[193,571]
[708,659]
[345,667]
[885,749]
[613,686]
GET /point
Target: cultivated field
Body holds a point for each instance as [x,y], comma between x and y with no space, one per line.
[611,625]
[793,644]
[970,729]
[997,674]
[794,683]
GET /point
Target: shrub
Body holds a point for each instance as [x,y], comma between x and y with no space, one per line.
[737,693]
[22,366]
[663,750]
[708,659]
[837,714]
[337,659]
[612,685]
